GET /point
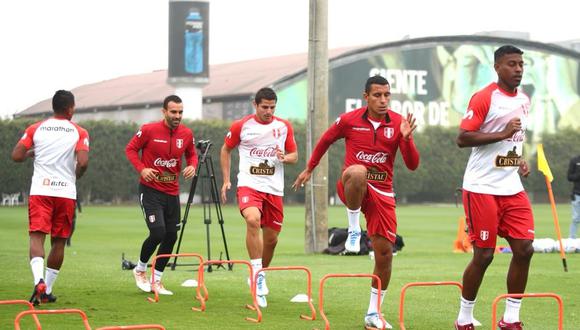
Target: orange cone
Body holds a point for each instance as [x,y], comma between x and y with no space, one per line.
[462,243]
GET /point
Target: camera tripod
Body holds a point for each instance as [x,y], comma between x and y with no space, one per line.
[208,177]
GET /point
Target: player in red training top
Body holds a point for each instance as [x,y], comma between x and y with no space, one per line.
[494,199]
[372,134]
[265,143]
[60,149]
[162,145]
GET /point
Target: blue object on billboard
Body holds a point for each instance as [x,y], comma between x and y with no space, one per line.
[193,42]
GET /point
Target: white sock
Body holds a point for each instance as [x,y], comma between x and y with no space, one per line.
[141,266]
[37,266]
[373,300]
[353,219]
[256,265]
[512,310]
[51,275]
[465,311]
[158,275]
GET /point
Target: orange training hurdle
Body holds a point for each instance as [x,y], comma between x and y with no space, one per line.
[528,295]
[408,285]
[52,311]
[170,255]
[140,326]
[23,302]
[308,292]
[321,295]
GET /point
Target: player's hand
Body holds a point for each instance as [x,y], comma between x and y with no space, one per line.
[30,153]
[524,170]
[280,155]
[302,179]
[513,126]
[408,125]
[188,172]
[149,174]
[225,187]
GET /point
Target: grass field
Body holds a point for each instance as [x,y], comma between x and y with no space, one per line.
[92,280]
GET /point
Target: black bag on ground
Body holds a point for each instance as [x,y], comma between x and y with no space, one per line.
[337,238]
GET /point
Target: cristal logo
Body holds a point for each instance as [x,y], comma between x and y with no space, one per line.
[165,163]
[378,158]
[267,152]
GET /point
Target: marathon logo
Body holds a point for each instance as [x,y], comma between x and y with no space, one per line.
[56,129]
[512,159]
[262,169]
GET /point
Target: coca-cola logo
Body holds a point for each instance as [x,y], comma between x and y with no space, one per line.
[165,162]
[263,153]
[377,158]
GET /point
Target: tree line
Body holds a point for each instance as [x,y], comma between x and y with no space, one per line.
[111,178]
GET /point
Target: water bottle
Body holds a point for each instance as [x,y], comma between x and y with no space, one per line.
[193,42]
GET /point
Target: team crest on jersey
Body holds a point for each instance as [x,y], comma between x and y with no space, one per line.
[389,132]
[152,218]
[179,143]
[484,235]
[276,132]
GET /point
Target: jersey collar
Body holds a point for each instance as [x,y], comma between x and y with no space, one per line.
[385,121]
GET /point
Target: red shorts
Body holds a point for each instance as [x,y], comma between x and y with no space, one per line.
[379,211]
[270,206]
[491,215]
[51,215]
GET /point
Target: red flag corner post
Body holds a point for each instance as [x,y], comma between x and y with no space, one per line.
[545,169]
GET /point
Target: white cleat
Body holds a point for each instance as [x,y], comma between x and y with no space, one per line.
[158,286]
[352,244]
[141,280]
[373,321]
[261,287]
[262,302]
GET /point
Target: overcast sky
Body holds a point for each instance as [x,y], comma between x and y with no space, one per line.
[62,44]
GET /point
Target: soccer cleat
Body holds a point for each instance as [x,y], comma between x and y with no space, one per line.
[39,290]
[509,326]
[158,286]
[352,244]
[261,287]
[262,302]
[47,298]
[141,280]
[373,321]
[464,327]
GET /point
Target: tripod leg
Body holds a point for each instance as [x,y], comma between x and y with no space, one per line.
[218,209]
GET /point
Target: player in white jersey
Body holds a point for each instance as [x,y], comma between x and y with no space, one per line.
[60,149]
[265,143]
[494,199]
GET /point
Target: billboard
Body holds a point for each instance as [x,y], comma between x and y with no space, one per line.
[435,81]
[188,42]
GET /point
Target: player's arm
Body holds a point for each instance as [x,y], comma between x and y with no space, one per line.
[136,143]
[20,153]
[407,145]
[82,163]
[291,154]
[190,159]
[225,161]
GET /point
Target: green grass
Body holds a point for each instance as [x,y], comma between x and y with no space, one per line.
[92,279]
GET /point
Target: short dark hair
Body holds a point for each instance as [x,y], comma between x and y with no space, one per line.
[376,79]
[265,93]
[62,100]
[506,50]
[171,98]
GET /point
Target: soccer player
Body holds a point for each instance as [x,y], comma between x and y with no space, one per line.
[162,145]
[574,177]
[265,143]
[494,199]
[372,134]
[60,149]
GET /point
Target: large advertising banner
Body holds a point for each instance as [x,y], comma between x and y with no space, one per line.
[435,82]
[188,42]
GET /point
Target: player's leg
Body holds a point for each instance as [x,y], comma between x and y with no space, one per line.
[40,223]
[517,226]
[272,221]
[575,216]
[481,213]
[354,182]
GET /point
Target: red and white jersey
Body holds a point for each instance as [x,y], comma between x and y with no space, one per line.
[257,142]
[493,168]
[374,148]
[55,142]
